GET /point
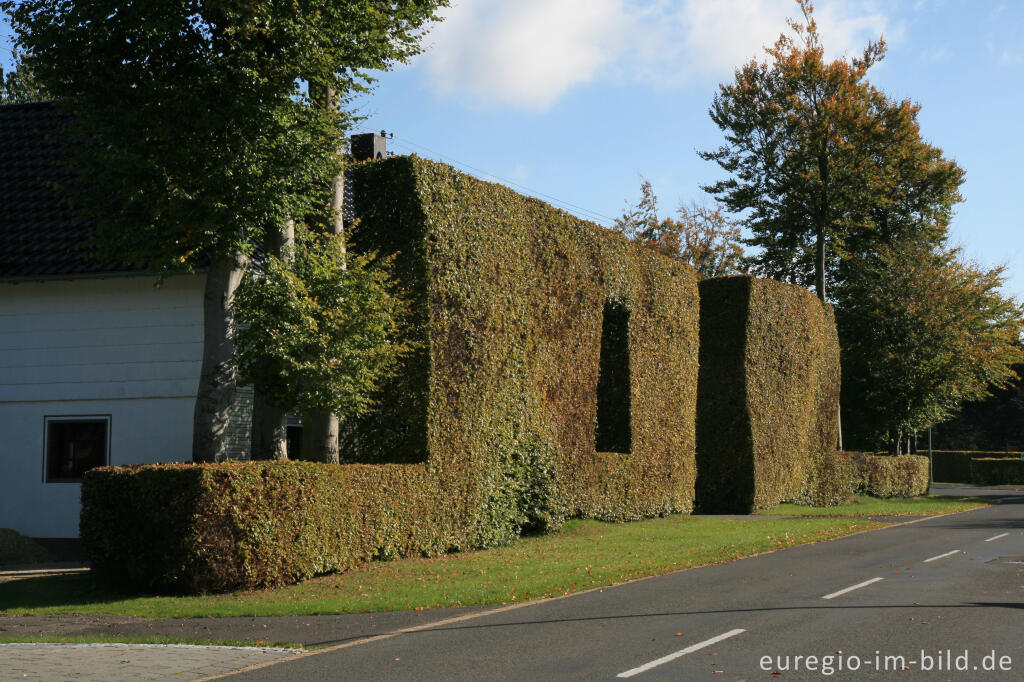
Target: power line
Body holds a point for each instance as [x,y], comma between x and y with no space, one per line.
[535,192]
[573,208]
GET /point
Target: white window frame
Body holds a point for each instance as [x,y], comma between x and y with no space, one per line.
[47,419]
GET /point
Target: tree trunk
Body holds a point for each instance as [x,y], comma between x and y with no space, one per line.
[216,393]
[320,438]
[320,430]
[839,427]
[269,429]
[269,421]
[896,442]
[819,263]
[819,285]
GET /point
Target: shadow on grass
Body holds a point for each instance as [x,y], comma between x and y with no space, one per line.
[58,590]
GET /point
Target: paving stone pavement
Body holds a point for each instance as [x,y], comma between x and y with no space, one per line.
[113,662]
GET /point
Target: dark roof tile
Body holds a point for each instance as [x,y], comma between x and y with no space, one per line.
[40,235]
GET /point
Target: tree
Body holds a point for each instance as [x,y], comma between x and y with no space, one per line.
[702,236]
[318,332]
[20,86]
[195,132]
[995,423]
[823,164]
[710,242]
[923,332]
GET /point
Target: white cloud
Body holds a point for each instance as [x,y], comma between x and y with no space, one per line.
[1011,58]
[934,56]
[528,53]
[522,52]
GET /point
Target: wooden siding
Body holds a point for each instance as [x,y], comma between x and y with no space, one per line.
[100,339]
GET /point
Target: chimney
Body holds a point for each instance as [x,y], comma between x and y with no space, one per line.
[368,146]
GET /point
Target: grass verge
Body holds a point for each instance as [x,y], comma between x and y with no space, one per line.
[586,554]
[864,505]
[107,639]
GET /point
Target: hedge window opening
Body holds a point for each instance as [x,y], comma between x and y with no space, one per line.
[74,445]
[614,432]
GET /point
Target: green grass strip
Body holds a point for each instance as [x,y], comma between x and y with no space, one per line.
[926,505]
[119,639]
[586,554]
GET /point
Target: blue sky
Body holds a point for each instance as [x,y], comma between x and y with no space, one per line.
[575,100]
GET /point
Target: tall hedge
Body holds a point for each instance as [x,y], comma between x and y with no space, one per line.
[511,297]
[540,336]
[768,397]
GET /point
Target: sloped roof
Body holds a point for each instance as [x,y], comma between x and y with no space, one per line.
[40,235]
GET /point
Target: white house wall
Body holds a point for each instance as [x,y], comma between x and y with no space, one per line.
[116,347]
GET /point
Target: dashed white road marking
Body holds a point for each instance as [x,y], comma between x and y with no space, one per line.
[682,652]
[851,588]
[941,556]
[996,537]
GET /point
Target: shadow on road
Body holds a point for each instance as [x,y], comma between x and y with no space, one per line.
[554,621]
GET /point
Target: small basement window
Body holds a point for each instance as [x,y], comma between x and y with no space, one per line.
[613,432]
[74,445]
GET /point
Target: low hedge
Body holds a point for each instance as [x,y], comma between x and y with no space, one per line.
[997,471]
[954,466]
[767,397]
[891,476]
[193,528]
[833,481]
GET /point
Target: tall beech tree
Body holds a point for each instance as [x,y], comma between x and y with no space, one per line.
[195,134]
[829,173]
[922,332]
[821,163]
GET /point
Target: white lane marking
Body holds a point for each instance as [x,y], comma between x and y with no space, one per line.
[682,652]
[996,537]
[941,556]
[851,588]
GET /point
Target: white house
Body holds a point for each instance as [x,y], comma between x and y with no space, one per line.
[97,365]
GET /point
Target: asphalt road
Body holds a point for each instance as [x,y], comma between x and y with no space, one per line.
[937,599]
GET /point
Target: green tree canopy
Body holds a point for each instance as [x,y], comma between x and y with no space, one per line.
[195,127]
[822,164]
[200,127]
[995,423]
[318,331]
[922,332]
[19,85]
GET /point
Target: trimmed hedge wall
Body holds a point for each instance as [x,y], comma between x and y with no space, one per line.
[527,319]
[196,528]
[891,476]
[767,397]
[512,298]
[997,471]
[954,466]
